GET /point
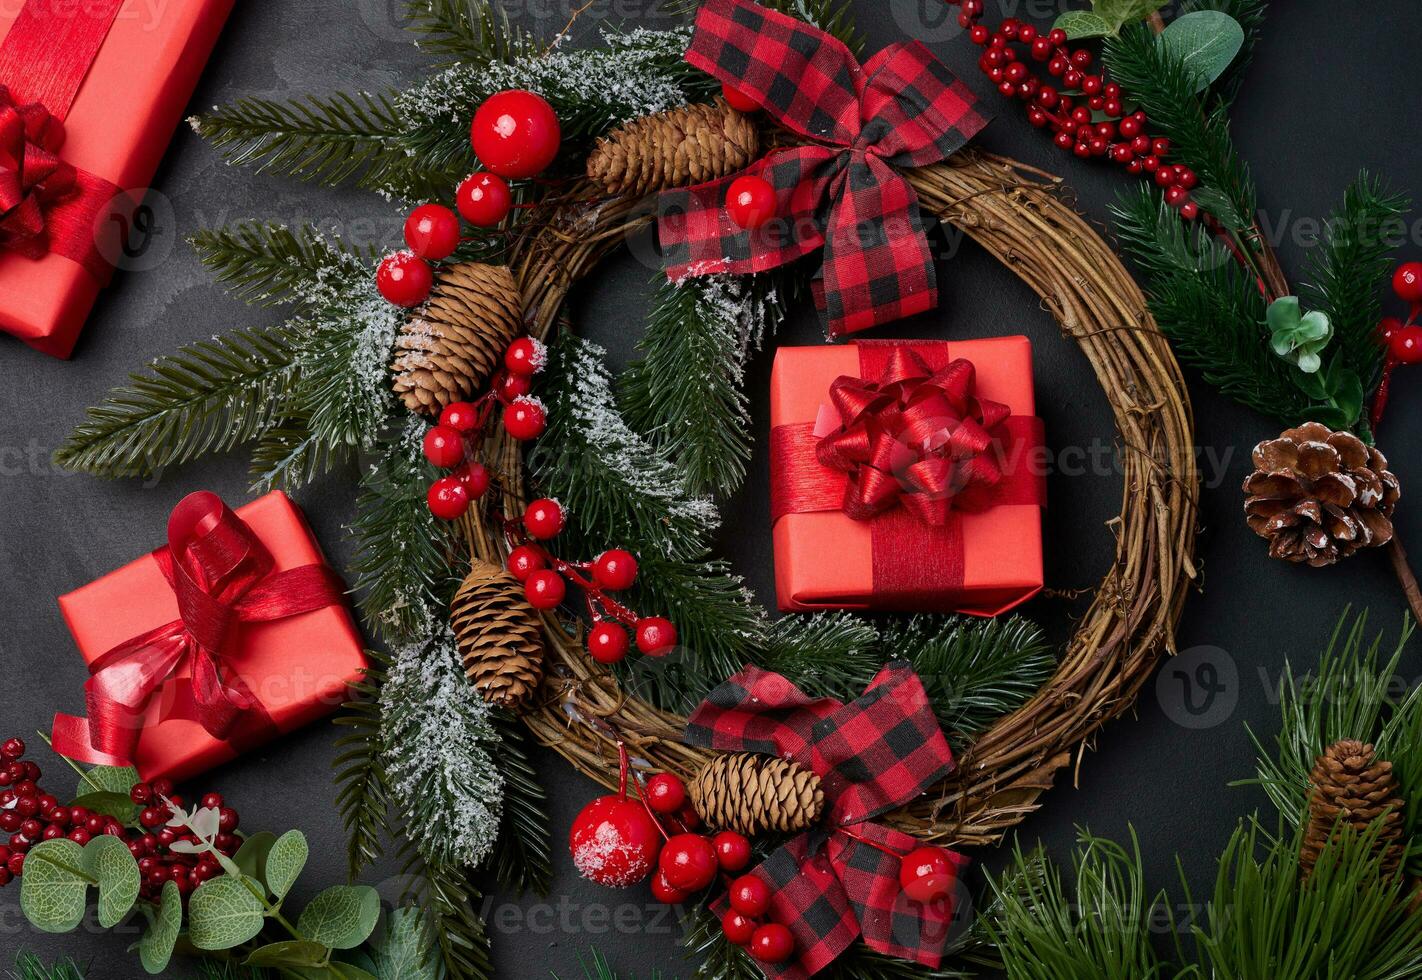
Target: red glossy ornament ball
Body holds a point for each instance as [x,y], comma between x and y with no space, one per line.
[614,842]
[523,561]
[750,201]
[615,570]
[772,943]
[459,416]
[515,133]
[737,99]
[448,498]
[750,896]
[689,862]
[484,199]
[543,518]
[404,279]
[475,477]
[1407,282]
[444,447]
[525,356]
[545,589]
[738,928]
[656,636]
[525,418]
[608,643]
[432,231]
[665,793]
[1406,345]
[511,386]
[733,850]
[928,874]
[663,892]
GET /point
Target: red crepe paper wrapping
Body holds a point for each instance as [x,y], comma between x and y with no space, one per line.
[299,668]
[983,558]
[119,125]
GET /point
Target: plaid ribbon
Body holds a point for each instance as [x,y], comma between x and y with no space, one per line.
[837,882]
[841,193]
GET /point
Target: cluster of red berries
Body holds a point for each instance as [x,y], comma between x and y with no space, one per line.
[750,200]
[515,134]
[1085,111]
[151,845]
[454,443]
[1402,339]
[545,585]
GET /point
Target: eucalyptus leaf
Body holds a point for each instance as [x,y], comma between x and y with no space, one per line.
[53,889]
[116,805]
[349,971]
[406,951]
[110,862]
[108,779]
[285,860]
[341,917]
[1205,41]
[291,953]
[155,949]
[1080,24]
[251,857]
[223,913]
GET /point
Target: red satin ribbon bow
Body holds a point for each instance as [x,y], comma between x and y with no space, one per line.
[222,576]
[32,177]
[914,437]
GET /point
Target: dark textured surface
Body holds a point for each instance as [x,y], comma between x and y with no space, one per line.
[1332,90]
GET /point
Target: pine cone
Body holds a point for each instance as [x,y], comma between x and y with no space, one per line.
[1350,786]
[689,145]
[499,636]
[751,794]
[451,346]
[1317,495]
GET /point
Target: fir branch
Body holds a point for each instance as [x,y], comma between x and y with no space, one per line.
[362,793]
[209,968]
[687,393]
[1250,16]
[826,654]
[28,966]
[600,969]
[268,264]
[1346,271]
[467,32]
[290,455]
[208,397]
[450,902]
[523,861]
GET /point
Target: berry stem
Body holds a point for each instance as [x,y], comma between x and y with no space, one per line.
[1405,576]
[593,593]
[884,848]
[1384,388]
[83,774]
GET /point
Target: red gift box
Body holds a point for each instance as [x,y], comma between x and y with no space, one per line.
[983,557]
[123,116]
[298,668]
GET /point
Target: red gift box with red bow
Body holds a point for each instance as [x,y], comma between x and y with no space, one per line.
[907,475]
[91,93]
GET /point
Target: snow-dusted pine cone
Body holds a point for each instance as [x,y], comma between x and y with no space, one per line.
[752,794]
[1349,785]
[676,148]
[1317,495]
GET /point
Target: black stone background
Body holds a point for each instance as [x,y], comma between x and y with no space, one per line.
[1333,89]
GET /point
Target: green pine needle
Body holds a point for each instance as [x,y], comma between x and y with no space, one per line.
[523,860]
[362,796]
[451,903]
[469,32]
[270,264]
[599,968]
[28,966]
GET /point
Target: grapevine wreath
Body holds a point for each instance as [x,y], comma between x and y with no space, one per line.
[499,451]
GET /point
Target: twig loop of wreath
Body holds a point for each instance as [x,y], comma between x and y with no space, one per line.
[1017,214]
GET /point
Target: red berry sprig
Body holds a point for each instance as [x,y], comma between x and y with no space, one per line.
[545,580]
[1402,339]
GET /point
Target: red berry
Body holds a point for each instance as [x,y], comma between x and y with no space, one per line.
[523,561]
[448,499]
[772,943]
[750,201]
[444,447]
[665,793]
[80,836]
[32,828]
[928,874]
[543,518]
[1081,58]
[1130,128]
[1065,141]
[1406,345]
[1389,326]
[738,928]
[228,820]
[656,636]
[979,34]
[404,279]
[1185,177]
[141,794]
[483,199]
[94,825]
[1150,163]
[1121,153]
[737,99]
[475,477]
[614,842]
[663,892]
[750,896]
[460,416]
[1176,196]
[515,133]
[432,231]
[511,386]
[608,643]
[13,749]
[615,570]
[545,589]
[689,862]
[1407,282]
[1165,176]
[525,418]
[525,356]
[1057,36]
[733,850]
[689,818]
[1160,146]
[51,832]
[15,864]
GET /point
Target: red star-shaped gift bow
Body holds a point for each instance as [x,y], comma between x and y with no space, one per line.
[916,438]
[32,177]
[842,192]
[838,882]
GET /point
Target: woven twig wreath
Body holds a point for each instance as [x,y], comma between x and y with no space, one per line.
[1016,213]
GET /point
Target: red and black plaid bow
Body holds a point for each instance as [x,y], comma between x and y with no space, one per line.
[915,438]
[32,177]
[841,193]
[836,883]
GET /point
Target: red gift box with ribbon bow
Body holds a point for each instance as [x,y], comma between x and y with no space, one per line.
[906,475]
[260,643]
[91,92]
